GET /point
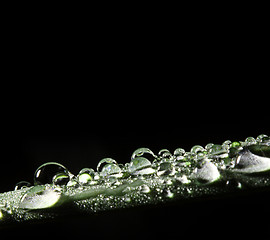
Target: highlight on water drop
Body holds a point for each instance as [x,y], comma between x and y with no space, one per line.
[51,172]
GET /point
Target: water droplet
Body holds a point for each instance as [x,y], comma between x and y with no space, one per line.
[127,199]
[207,173]
[164,154]
[196,149]
[168,193]
[249,162]
[103,162]
[227,144]
[261,138]
[111,169]
[145,152]
[22,184]
[236,144]
[183,179]
[140,166]
[138,163]
[250,141]
[86,175]
[40,197]
[233,183]
[48,171]
[179,152]
[218,151]
[166,168]
[144,188]
[61,178]
[209,146]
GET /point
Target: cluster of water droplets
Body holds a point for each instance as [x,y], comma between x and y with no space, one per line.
[186,166]
[147,178]
[152,175]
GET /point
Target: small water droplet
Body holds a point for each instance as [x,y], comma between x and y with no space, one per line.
[144,188]
[236,144]
[111,169]
[86,175]
[127,199]
[166,168]
[261,137]
[232,183]
[250,141]
[209,146]
[179,152]
[168,193]
[22,184]
[164,154]
[61,178]
[103,162]
[145,152]
[196,149]
[218,151]
[48,171]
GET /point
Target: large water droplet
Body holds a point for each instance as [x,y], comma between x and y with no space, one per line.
[248,162]
[50,172]
[208,172]
[140,166]
[40,197]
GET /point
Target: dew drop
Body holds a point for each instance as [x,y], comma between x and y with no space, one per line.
[261,138]
[218,151]
[144,188]
[233,183]
[166,168]
[164,154]
[40,197]
[235,145]
[145,152]
[103,162]
[22,184]
[250,141]
[111,169]
[168,193]
[50,171]
[61,178]
[208,173]
[196,149]
[209,146]
[179,152]
[138,163]
[86,175]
